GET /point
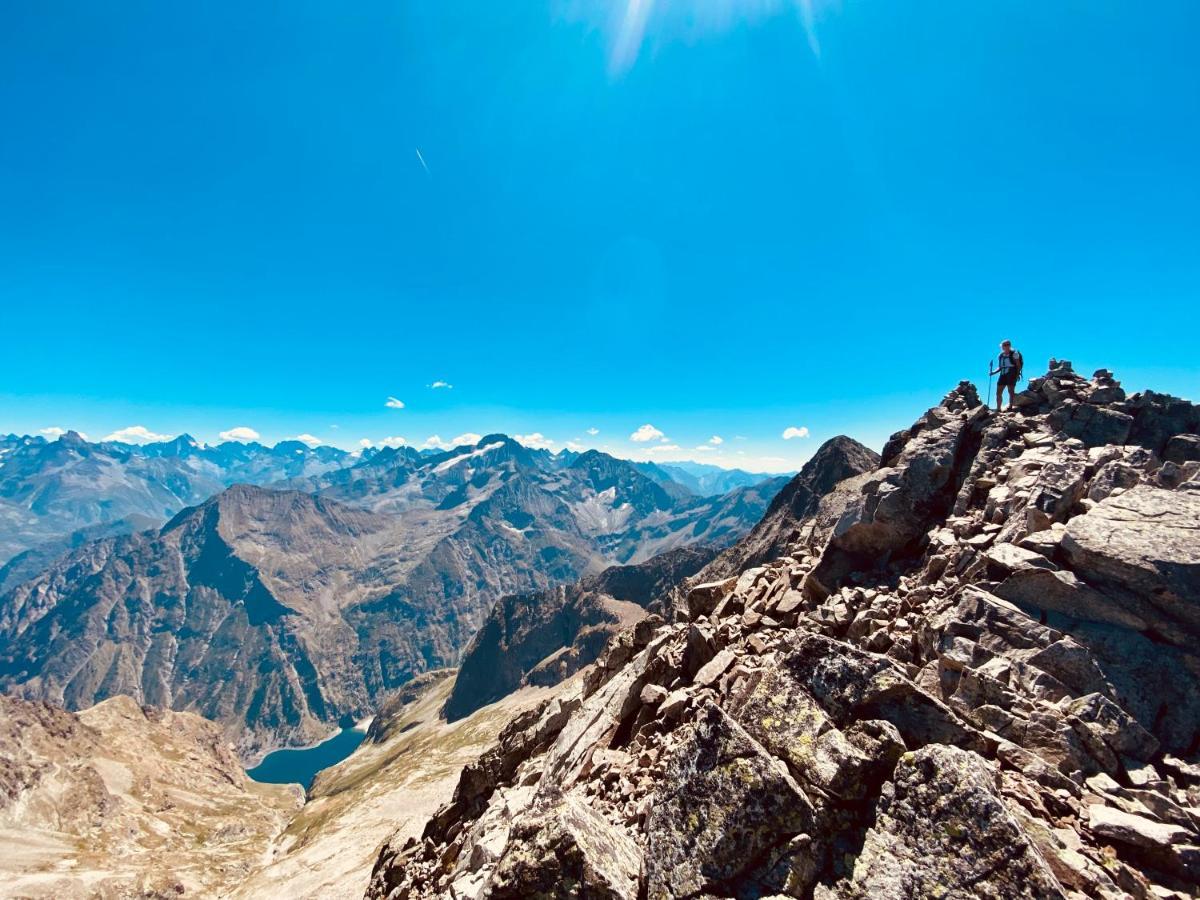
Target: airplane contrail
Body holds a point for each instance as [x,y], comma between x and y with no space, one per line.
[421,159]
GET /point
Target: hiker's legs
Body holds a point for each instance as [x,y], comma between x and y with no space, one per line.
[1000,395]
[1011,397]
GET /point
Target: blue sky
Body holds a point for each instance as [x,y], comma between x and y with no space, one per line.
[709,216]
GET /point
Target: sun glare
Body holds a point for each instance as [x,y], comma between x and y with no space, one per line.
[636,21]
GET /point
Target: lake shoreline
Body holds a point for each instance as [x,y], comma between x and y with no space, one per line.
[257,760]
[301,765]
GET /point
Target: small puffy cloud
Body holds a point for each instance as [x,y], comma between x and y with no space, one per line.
[647,433]
[393,403]
[467,437]
[52,433]
[716,440]
[575,446]
[536,441]
[441,386]
[309,439]
[137,434]
[434,441]
[365,443]
[793,432]
[240,433]
[593,431]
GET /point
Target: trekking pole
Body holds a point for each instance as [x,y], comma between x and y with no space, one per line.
[989,393]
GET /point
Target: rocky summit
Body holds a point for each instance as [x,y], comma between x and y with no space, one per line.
[970,673]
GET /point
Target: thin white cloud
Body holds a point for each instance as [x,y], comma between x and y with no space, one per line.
[393,403]
[53,432]
[395,441]
[536,441]
[706,448]
[421,160]
[593,431]
[137,434]
[441,386]
[575,446]
[240,433]
[646,433]
[311,440]
[716,440]
[665,448]
[434,441]
[793,432]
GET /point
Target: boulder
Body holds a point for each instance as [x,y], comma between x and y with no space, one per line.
[852,685]
[788,722]
[1143,548]
[1094,425]
[1116,728]
[721,806]
[567,851]
[1183,448]
[943,830]
[1011,558]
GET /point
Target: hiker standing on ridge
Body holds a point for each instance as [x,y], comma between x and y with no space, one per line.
[1009,371]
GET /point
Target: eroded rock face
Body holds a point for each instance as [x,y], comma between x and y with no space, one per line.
[943,830]
[723,805]
[546,636]
[971,673]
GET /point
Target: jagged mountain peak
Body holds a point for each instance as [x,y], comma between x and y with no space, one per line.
[836,460]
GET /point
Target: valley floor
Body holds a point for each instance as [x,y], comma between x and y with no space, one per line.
[384,789]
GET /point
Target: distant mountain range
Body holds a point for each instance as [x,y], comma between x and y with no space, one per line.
[278,611]
[55,494]
[52,489]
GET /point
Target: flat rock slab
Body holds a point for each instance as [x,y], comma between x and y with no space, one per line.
[1144,546]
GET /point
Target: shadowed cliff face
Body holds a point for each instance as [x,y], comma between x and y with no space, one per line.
[277,613]
[543,637]
[971,672]
[836,460]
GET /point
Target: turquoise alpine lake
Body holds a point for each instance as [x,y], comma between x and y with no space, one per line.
[301,766]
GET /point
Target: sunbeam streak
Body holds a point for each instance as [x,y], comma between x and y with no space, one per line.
[640,20]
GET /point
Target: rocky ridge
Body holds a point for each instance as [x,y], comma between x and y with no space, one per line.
[973,674]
